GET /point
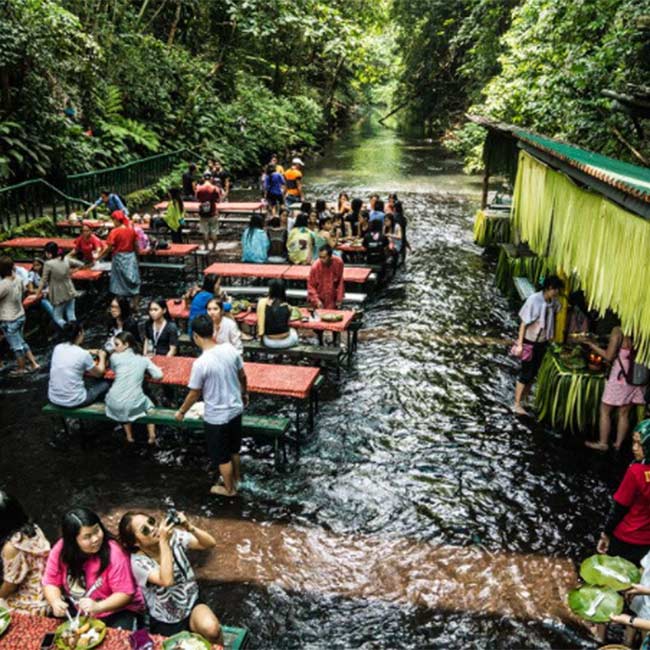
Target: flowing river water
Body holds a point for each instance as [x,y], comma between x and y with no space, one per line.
[422,515]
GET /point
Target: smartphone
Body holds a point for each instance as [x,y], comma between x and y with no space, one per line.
[48,641]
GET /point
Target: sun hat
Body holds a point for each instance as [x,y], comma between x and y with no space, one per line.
[297,161]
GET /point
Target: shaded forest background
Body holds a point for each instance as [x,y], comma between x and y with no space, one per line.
[86,84]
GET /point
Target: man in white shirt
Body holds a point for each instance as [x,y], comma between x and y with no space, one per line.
[218,375]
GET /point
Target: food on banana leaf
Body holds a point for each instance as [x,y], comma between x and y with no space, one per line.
[605,570]
[595,604]
[295,314]
[240,305]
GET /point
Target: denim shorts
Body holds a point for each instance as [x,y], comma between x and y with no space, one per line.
[13,331]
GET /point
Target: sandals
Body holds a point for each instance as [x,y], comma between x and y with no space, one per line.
[596,446]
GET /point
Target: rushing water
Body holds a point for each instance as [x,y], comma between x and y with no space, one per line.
[423,515]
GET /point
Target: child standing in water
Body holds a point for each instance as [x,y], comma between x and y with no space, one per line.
[126,400]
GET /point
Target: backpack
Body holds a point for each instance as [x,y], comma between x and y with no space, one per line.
[637,373]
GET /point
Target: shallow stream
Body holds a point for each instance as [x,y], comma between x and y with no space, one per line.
[423,515]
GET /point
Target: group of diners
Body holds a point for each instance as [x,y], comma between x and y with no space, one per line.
[296,236]
[140,576]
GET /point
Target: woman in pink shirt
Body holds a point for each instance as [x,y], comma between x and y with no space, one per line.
[88,570]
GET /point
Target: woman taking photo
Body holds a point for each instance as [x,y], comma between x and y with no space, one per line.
[537,328]
[122,244]
[273,316]
[12,316]
[88,571]
[24,551]
[163,571]
[618,393]
[58,280]
[126,400]
[226,329]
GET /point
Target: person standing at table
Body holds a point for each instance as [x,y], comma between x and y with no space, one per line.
[223,176]
[218,375]
[325,286]
[112,202]
[208,195]
[293,178]
[189,183]
[122,242]
[536,329]
[57,278]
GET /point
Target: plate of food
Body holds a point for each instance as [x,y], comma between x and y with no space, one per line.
[186,641]
[5,620]
[331,318]
[239,306]
[595,604]
[607,571]
[296,314]
[82,634]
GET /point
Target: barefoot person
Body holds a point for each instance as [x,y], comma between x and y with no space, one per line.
[219,375]
[537,328]
[165,575]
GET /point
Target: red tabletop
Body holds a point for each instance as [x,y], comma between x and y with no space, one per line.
[350,248]
[174,250]
[263,378]
[80,274]
[250,318]
[350,274]
[177,310]
[94,224]
[37,242]
[244,270]
[226,207]
[26,633]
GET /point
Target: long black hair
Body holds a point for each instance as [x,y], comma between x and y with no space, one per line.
[356,205]
[13,518]
[128,339]
[125,309]
[209,281]
[52,249]
[71,555]
[277,290]
[256,222]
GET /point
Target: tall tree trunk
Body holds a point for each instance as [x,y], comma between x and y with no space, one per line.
[174,27]
[330,100]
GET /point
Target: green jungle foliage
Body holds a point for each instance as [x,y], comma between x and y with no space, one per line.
[86,84]
[539,64]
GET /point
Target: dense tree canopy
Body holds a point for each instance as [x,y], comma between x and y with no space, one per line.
[89,83]
[540,64]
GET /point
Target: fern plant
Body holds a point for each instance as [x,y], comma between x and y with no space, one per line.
[119,129]
[20,150]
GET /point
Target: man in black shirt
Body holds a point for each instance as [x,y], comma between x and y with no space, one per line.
[189,183]
[224,176]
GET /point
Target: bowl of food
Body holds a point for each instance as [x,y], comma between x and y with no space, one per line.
[296,314]
[186,641]
[5,620]
[331,318]
[83,633]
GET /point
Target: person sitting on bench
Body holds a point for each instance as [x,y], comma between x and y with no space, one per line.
[70,362]
[273,316]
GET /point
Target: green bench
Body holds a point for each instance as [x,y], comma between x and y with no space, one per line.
[328,355]
[524,287]
[253,426]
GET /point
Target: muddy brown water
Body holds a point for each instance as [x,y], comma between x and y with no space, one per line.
[422,515]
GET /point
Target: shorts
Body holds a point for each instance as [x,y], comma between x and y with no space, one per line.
[209,226]
[223,440]
[632,552]
[13,331]
[168,629]
[529,369]
[275,199]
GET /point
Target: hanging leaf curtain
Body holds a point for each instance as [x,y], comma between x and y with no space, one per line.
[607,247]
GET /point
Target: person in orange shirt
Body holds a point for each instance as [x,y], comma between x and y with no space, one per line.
[293,177]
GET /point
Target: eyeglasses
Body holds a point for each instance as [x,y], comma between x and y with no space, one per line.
[149,527]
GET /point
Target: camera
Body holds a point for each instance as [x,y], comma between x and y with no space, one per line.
[172,518]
